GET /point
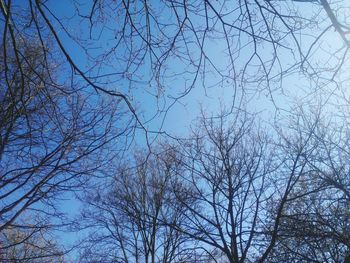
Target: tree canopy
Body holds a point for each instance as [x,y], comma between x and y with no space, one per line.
[174,131]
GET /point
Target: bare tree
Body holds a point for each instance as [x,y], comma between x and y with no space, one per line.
[28,244]
[243,182]
[135,217]
[228,165]
[315,221]
[52,137]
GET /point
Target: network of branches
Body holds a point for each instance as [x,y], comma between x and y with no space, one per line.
[256,171]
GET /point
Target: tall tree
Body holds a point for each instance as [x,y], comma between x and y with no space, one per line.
[228,165]
[315,221]
[238,174]
[52,136]
[136,217]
